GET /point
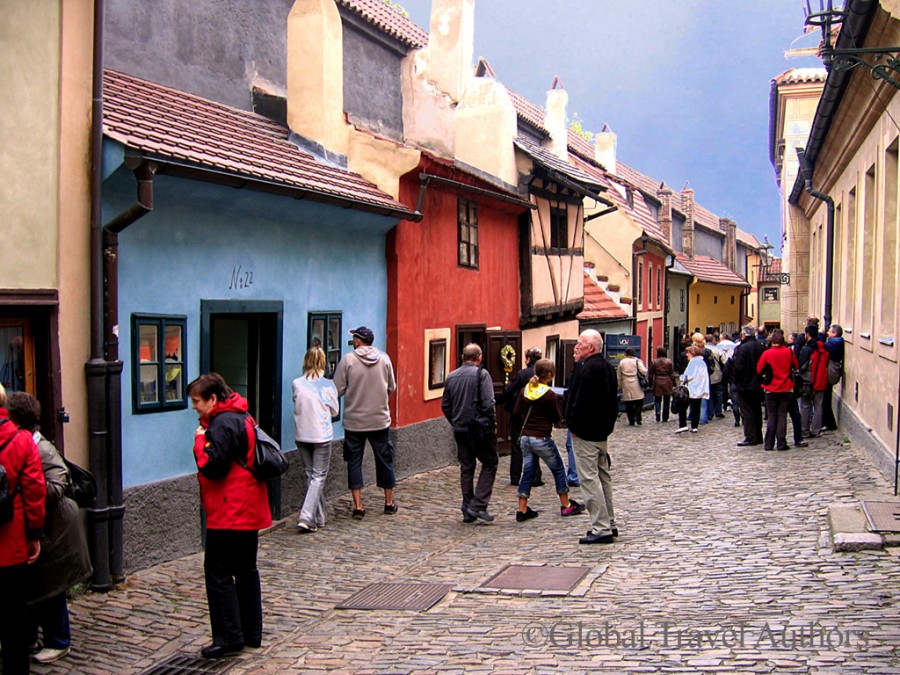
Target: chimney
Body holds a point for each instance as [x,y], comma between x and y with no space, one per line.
[605,144]
[665,211]
[451,45]
[730,228]
[555,120]
[687,232]
[315,74]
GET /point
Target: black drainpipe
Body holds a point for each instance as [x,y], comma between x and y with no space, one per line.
[806,173]
[104,369]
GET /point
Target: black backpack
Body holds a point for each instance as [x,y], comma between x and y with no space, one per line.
[7,497]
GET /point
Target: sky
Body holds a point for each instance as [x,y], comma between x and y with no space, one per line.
[684,84]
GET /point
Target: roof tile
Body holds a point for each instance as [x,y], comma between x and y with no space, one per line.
[597,304]
[177,125]
[380,14]
[711,270]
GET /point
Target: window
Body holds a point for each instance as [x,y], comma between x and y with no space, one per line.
[889,243]
[868,252]
[682,292]
[437,358]
[732,299]
[715,299]
[668,299]
[559,225]
[467,233]
[659,273]
[324,330]
[850,304]
[640,285]
[158,368]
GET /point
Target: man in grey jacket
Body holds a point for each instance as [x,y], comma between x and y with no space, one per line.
[460,404]
[365,378]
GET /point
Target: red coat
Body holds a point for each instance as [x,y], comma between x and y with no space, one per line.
[25,473]
[232,498]
[781,359]
[817,356]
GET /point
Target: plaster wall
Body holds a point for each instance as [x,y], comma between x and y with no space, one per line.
[537,337]
[217,49]
[187,250]
[608,243]
[429,115]
[372,92]
[486,127]
[676,285]
[717,304]
[30,34]
[708,244]
[434,292]
[74,219]
[557,278]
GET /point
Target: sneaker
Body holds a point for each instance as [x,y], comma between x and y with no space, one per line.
[304,528]
[391,509]
[573,509]
[481,514]
[47,655]
[694,431]
[681,430]
[528,515]
[469,519]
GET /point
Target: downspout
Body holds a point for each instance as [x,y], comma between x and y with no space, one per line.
[806,173]
[96,367]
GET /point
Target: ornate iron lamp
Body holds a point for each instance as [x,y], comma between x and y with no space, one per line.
[765,265]
[828,19]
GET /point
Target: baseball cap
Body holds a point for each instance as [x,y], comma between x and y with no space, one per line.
[363,333]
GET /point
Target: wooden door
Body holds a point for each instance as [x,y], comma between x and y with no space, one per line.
[492,362]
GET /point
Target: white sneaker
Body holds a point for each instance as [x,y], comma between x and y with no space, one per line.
[694,431]
[47,655]
[304,527]
[681,430]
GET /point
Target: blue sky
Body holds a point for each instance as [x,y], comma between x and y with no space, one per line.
[683,83]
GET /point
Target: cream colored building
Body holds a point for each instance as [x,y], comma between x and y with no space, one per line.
[853,149]
[45,61]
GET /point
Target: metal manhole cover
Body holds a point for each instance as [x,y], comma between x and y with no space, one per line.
[417,597]
[183,664]
[537,578]
[883,516]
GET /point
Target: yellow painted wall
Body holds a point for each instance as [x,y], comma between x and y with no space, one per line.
[711,305]
[609,243]
[29,127]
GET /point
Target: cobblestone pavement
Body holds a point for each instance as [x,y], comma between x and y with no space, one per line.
[722,564]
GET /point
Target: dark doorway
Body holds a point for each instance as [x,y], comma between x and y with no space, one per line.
[496,341]
[242,341]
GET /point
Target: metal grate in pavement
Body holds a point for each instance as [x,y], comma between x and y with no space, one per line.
[418,597]
[183,664]
[537,578]
[883,516]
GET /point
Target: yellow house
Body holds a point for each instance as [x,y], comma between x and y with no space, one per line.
[842,222]
[715,296]
[44,281]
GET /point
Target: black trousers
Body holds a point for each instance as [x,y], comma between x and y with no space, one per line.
[693,410]
[633,410]
[232,587]
[828,421]
[476,496]
[14,628]
[751,414]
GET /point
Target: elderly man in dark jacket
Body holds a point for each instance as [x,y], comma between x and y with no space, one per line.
[591,410]
[746,381]
[507,398]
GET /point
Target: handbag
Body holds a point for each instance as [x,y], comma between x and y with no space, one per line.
[83,485]
[681,396]
[268,460]
[642,380]
[835,371]
[480,431]
[766,375]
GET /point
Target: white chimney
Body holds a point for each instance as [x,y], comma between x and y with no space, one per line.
[555,120]
[451,45]
[605,143]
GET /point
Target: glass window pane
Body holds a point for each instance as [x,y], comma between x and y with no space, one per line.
[473,236]
[12,371]
[174,382]
[173,343]
[149,385]
[463,253]
[317,339]
[334,333]
[149,337]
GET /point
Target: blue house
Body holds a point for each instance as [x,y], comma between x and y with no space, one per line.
[240,251]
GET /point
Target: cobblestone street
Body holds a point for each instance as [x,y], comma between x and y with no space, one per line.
[722,564]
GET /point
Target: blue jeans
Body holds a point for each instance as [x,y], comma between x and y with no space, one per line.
[572,474]
[316,461]
[717,396]
[355,444]
[545,448]
[52,617]
[662,402]
[704,411]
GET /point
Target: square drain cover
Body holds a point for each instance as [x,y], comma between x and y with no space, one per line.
[184,664]
[883,516]
[418,597]
[537,578]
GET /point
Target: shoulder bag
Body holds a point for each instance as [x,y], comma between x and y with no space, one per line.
[479,431]
[268,460]
[84,485]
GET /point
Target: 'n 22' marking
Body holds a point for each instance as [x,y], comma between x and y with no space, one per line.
[240,278]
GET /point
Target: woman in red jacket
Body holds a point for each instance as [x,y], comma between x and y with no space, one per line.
[20,537]
[237,507]
[779,360]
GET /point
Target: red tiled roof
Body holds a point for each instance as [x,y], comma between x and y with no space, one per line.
[597,304]
[380,14]
[747,239]
[581,146]
[711,270]
[174,124]
[528,111]
[703,216]
[551,161]
[798,75]
[775,266]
